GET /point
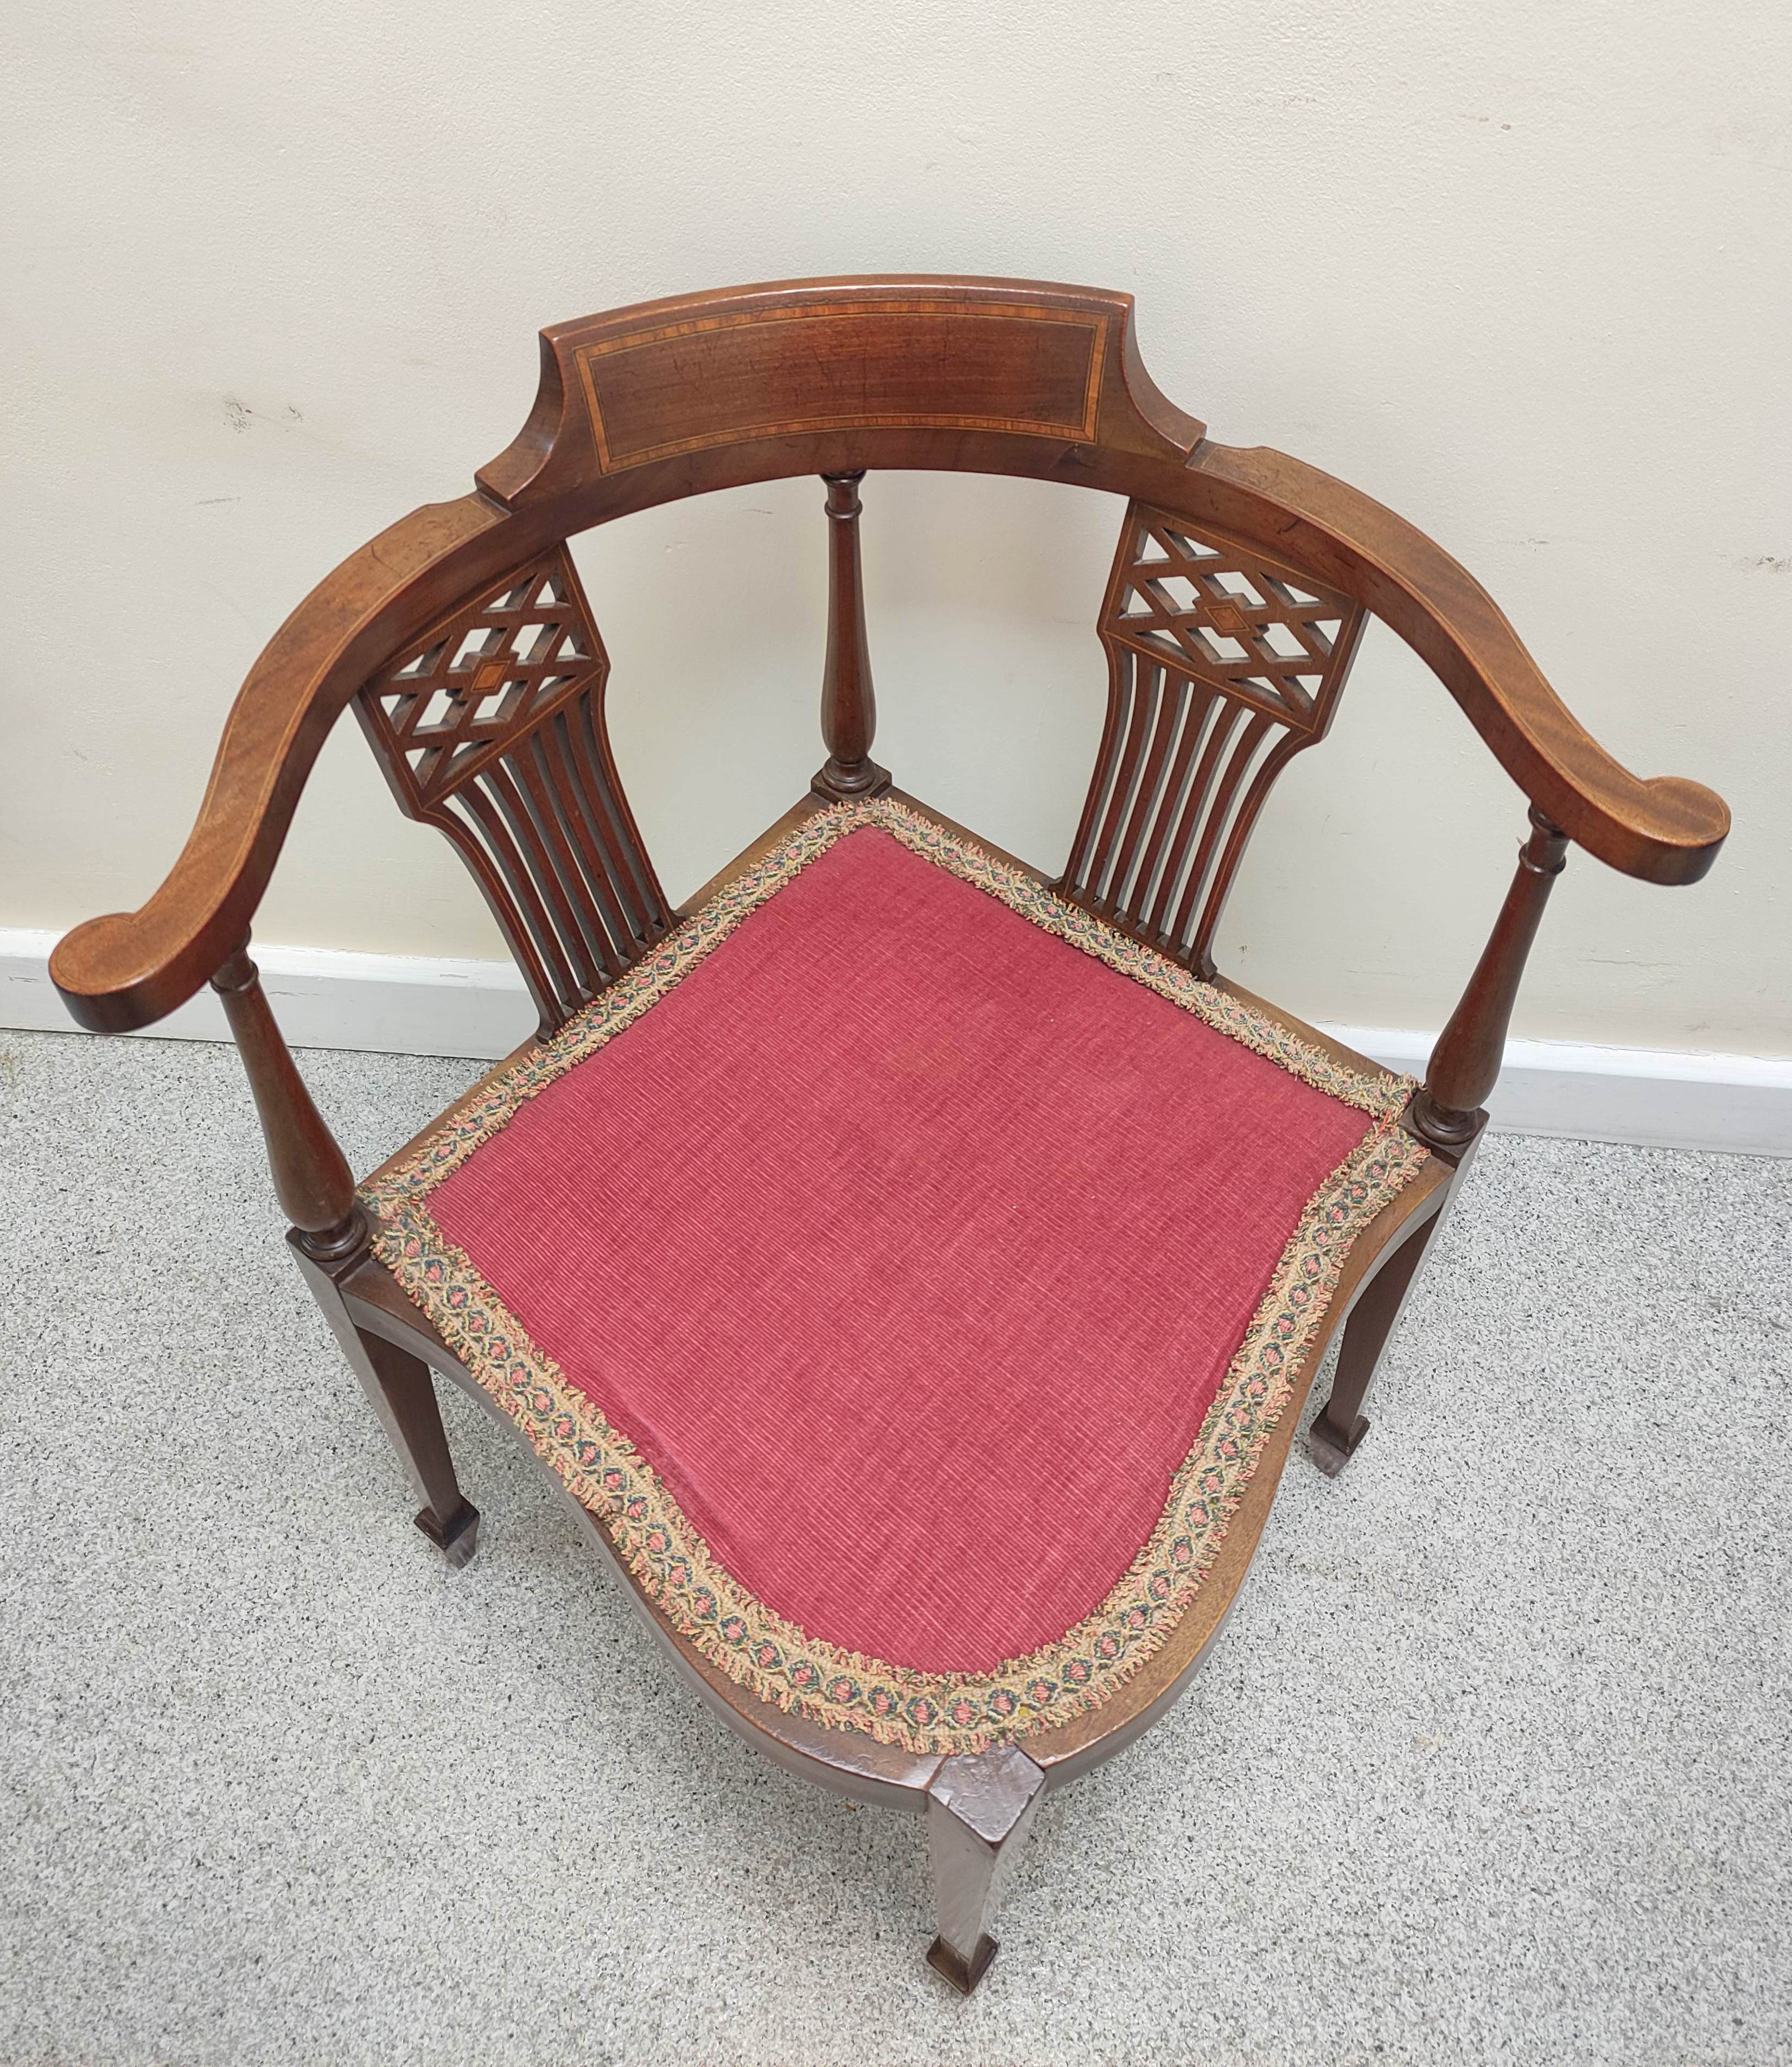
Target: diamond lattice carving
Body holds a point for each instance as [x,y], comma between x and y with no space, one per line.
[1222,665]
[454,701]
[1225,618]
[491,727]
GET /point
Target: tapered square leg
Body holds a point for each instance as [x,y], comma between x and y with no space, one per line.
[1338,1429]
[459,1538]
[979,1810]
[401,1389]
[1329,1451]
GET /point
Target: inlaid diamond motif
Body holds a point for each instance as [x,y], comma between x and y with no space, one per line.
[448,704]
[1224,618]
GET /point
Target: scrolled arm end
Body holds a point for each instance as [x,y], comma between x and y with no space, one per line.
[1690,824]
[113,980]
[129,969]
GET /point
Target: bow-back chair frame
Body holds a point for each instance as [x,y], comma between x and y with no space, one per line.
[1241,584]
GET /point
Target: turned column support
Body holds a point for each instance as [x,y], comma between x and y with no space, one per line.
[848,708]
[329,1236]
[311,1176]
[1448,1115]
[1465,1065]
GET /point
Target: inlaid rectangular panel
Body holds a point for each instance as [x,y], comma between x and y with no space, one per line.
[850,365]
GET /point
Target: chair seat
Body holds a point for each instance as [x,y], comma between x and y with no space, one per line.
[906,1268]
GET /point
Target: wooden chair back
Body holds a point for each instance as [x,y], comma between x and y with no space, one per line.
[1226,658]
[1241,582]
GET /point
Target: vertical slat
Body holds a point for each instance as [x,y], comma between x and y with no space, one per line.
[1238,761]
[1227,718]
[543,847]
[467,840]
[1120,668]
[630,871]
[1204,712]
[522,902]
[548,743]
[1145,694]
[1172,705]
[587,737]
[560,832]
[1243,819]
[1195,724]
[519,776]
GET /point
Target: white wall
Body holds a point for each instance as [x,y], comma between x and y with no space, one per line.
[1518,270]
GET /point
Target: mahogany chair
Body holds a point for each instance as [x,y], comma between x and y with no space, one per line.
[910,1267]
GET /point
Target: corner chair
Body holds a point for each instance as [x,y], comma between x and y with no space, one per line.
[1004,1235]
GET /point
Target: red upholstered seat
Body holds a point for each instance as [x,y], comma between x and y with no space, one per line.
[902,1263]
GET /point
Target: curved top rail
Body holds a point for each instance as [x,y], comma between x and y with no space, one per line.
[969,366]
[673,398]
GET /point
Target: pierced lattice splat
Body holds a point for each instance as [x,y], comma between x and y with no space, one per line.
[491,671]
[491,727]
[1223,664]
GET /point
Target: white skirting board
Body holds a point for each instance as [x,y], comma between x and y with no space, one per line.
[389,1004]
[408,1004]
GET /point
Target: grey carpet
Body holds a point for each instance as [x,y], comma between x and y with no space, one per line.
[1492,1762]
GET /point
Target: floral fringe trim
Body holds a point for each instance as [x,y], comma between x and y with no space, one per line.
[927,1713]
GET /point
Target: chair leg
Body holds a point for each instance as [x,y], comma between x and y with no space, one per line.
[401,1390]
[1338,1429]
[979,1810]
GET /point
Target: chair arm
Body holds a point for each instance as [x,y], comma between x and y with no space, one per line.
[129,969]
[1664,829]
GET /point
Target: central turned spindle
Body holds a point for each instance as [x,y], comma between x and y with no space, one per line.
[848,708]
